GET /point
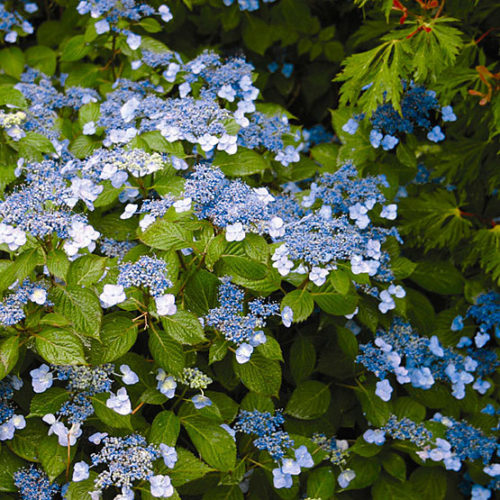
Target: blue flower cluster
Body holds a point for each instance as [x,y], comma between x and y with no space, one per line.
[114,11]
[486,314]
[33,484]
[147,272]
[313,240]
[126,460]
[276,442]
[417,104]
[421,361]
[42,206]
[13,23]
[113,248]
[9,421]
[83,382]
[403,429]
[337,452]
[245,330]
[45,99]
[12,307]
[249,5]
[231,204]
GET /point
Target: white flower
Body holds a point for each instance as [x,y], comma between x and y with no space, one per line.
[146,221]
[165,305]
[129,211]
[127,111]
[134,41]
[101,26]
[287,316]
[38,296]
[235,232]
[318,275]
[80,472]
[389,212]
[227,92]
[165,13]
[161,486]
[243,353]
[228,144]
[171,72]
[120,402]
[276,227]
[112,295]
[129,377]
[345,477]
[263,195]
[207,141]
[89,128]
[183,205]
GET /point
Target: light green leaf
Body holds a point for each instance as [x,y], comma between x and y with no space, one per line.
[310,400]
[60,347]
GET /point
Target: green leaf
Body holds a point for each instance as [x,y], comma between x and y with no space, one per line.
[406,407]
[81,489]
[260,374]
[60,347]
[81,306]
[49,401]
[302,359]
[376,411]
[334,303]
[217,351]
[232,492]
[42,58]
[201,291]
[24,264]
[257,34]
[243,162]
[54,457]
[165,428]
[150,25]
[9,464]
[367,471]
[118,335]
[438,277]
[184,327]
[386,488]
[9,354]
[321,483]
[86,270]
[187,468]
[167,352]
[83,146]
[12,96]
[25,442]
[395,465]
[12,61]
[75,49]
[429,483]
[242,267]
[58,264]
[166,235]
[215,445]
[309,400]
[301,303]
[108,416]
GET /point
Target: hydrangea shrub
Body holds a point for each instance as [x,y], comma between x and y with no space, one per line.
[249,249]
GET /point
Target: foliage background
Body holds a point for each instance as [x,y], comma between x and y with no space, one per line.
[448,222]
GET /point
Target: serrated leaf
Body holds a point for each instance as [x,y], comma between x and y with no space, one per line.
[118,335]
[310,400]
[60,347]
[184,327]
[81,306]
[53,456]
[49,401]
[165,428]
[167,352]
[260,374]
[166,235]
[9,354]
[301,303]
